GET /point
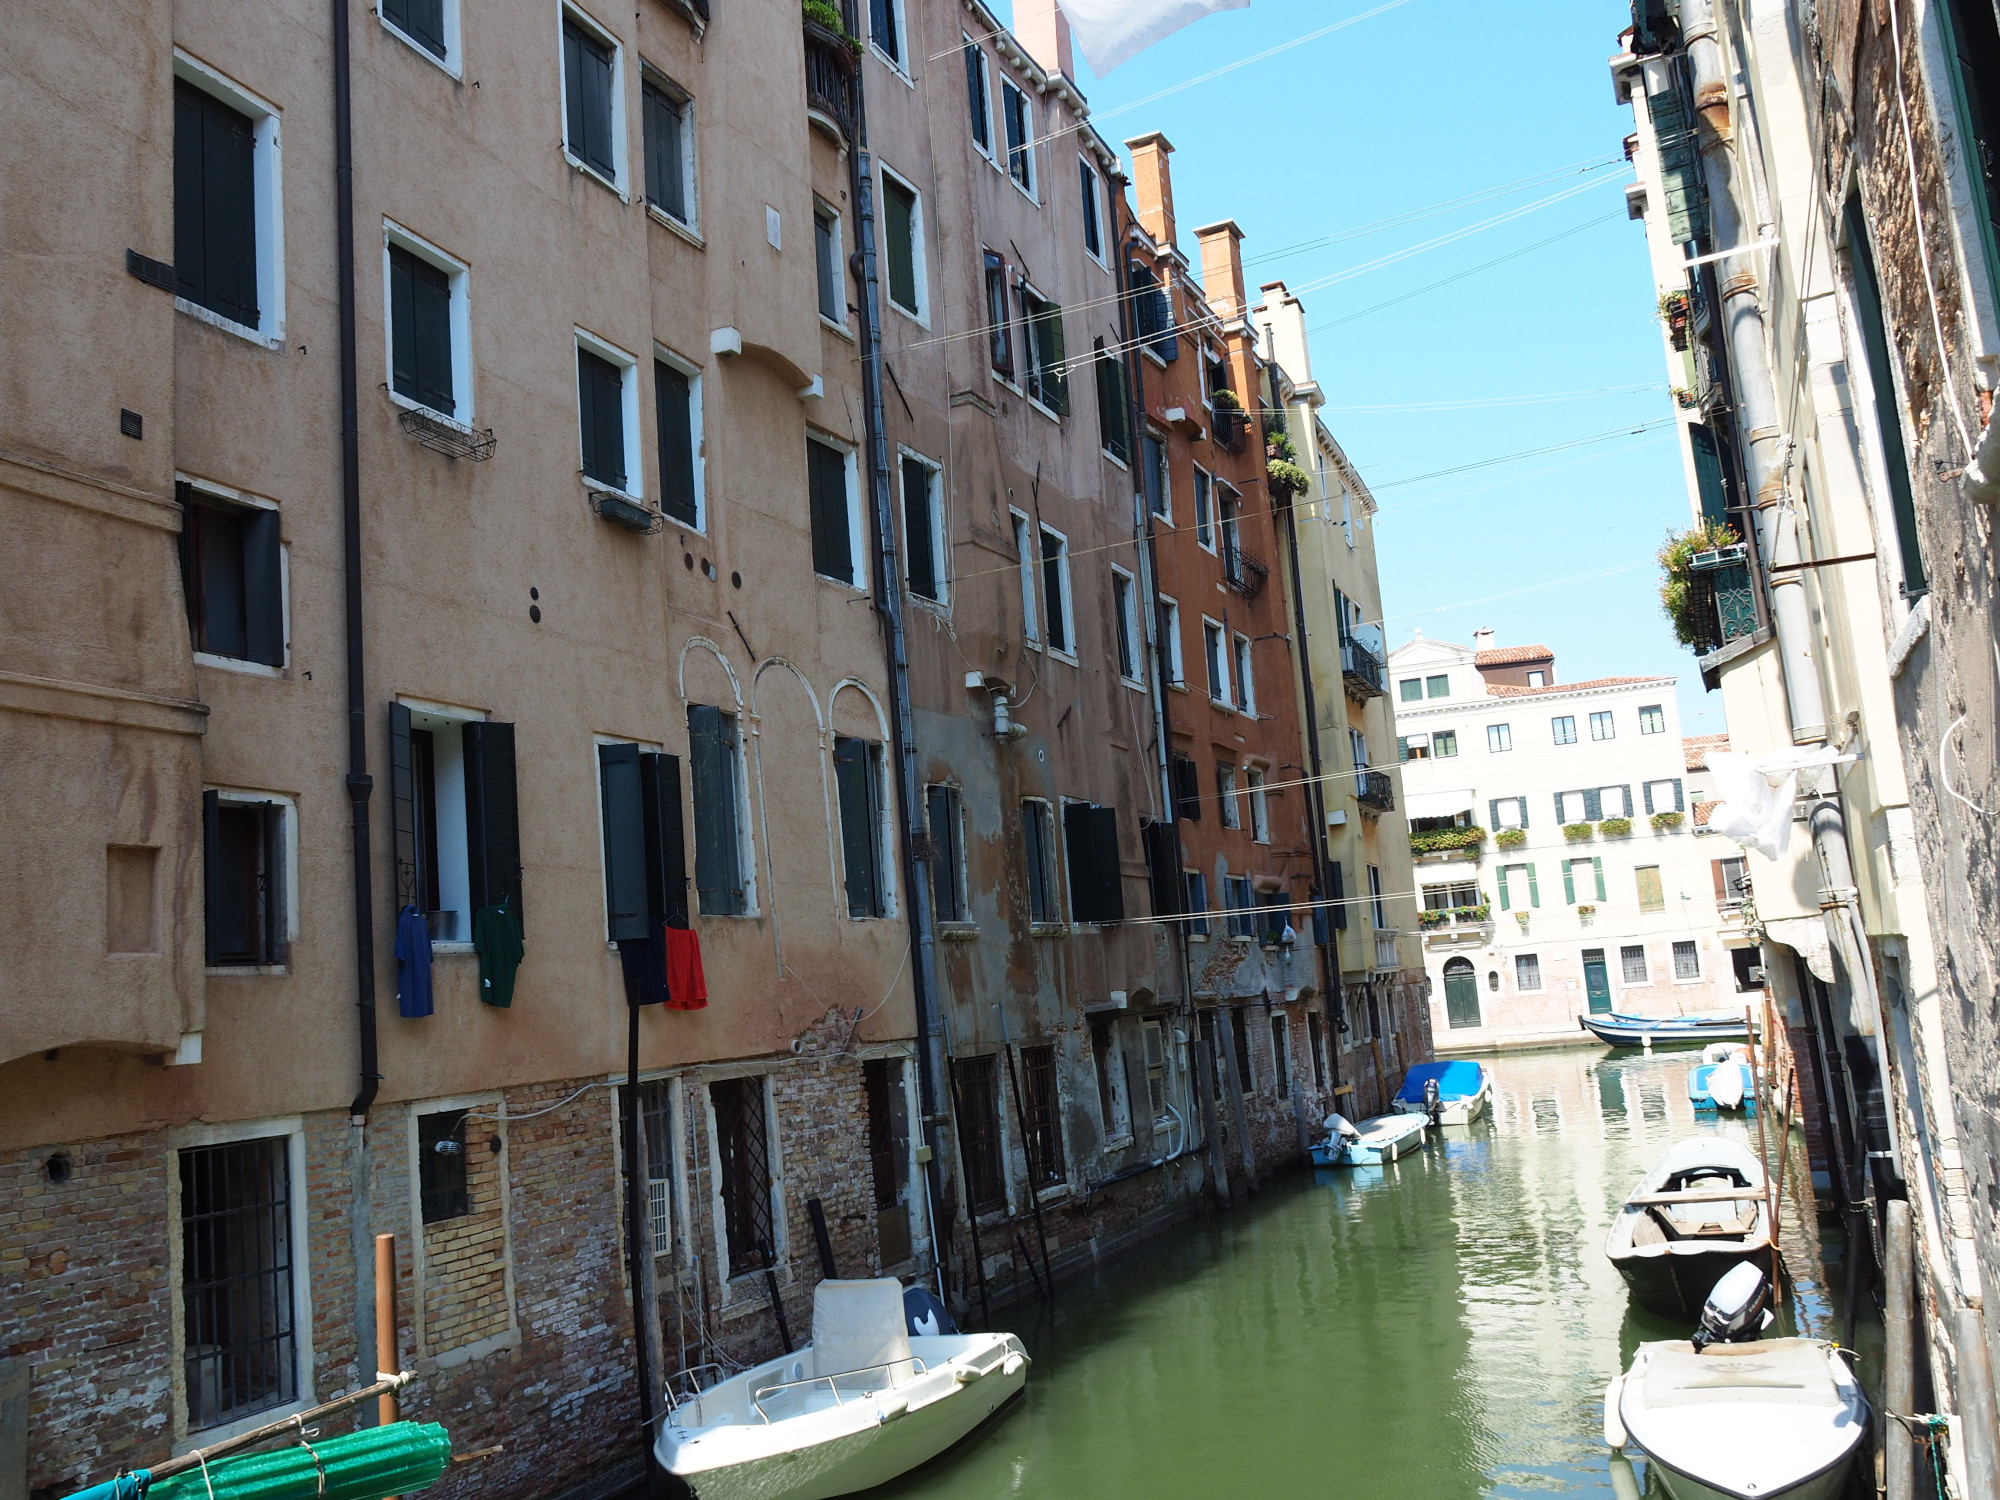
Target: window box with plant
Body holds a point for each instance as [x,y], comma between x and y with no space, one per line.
[1585,913]
[1674,313]
[1443,840]
[1431,920]
[1510,838]
[1576,833]
[1667,822]
[1615,828]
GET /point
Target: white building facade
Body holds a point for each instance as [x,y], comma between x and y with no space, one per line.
[1558,870]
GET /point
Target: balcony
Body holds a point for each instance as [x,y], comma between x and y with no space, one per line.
[1456,926]
[829,81]
[1362,672]
[1232,428]
[1241,570]
[1386,954]
[1722,599]
[1373,792]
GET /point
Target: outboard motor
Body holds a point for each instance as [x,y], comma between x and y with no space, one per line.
[1737,1309]
[1433,1100]
[1338,1125]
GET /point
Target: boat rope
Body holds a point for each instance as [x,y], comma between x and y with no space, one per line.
[1929,1431]
[202,1459]
[299,1423]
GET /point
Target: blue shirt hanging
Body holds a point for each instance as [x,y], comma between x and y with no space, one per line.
[413,963]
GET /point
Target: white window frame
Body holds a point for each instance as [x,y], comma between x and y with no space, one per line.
[1541,980]
[1052,853]
[250,502]
[1588,896]
[919,253]
[850,470]
[1554,720]
[1605,719]
[900,9]
[884,839]
[452,63]
[1625,796]
[1645,959]
[824,209]
[940,546]
[650,747]
[291,1129]
[1216,662]
[665,356]
[1204,510]
[458,278]
[1243,669]
[1097,207]
[743,1287]
[1066,602]
[958,842]
[1127,608]
[1170,632]
[1659,711]
[1519,807]
[1031,188]
[1499,732]
[990,150]
[1260,805]
[288,813]
[621,151]
[1027,354]
[1673,790]
[628,402]
[1028,559]
[267,184]
[451,815]
[690,175]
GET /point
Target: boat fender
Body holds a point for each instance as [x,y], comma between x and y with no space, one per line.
[1614,1425]
[891,1409]
[1013,1363]
[966,1374]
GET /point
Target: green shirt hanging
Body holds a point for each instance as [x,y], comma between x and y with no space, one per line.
[496,934]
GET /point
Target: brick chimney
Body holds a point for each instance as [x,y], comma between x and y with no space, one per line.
[1222,267]
[1482,640]
[1043,32]
[1153,185]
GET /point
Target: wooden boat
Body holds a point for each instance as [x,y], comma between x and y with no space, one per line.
[1375,1140]
[1778,1419]
[1616,1029]
[1464,1087]
[1700,1211]
[864,1402]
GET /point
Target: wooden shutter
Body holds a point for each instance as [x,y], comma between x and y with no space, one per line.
[276,928]
[1492,812]
[1597,873]
[1652,892]
[1593,804]
[832,539]
[185,544]
[1523,801]
[673,404]
[433,337]
[899,214]
[1534,891]
[587,74]
[1679,806]
[1708,474]
[1114,409]
[1187,789]
[600,419]
[1562,812]
[1721,881]
[213,893]
[666,838]
[1874,340]
[1569,881]
[1163,864]
[623,805]
[1082,869]
[853,772]
[1625,801]
[422,21]
[1096,880]
[975,93]
[919,529]
[1339,886]
[263,591]
[1506,898]
[1049,357]
[215,205]
[402,809]
[718,874]
[492,816]
[1646,793]
[666,172]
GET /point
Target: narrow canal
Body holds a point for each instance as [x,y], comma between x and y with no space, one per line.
[1432,1330]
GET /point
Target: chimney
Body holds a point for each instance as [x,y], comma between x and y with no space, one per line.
[1043,32]
[1153,185]
[1285,317]
[1222,267]
[1482,640]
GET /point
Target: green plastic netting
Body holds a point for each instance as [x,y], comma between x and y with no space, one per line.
[394,1460]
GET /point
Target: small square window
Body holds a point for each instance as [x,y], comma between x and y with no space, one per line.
[1538,679]
[1499,739]
[232,572]
[669,151]
[1601,727]
[1687,959]
[1444,743]
[1563,729]
[245,859]
[1527,971]
[1410,690]
[1652,719]
[1632,963]
[422,21]
[1438,686]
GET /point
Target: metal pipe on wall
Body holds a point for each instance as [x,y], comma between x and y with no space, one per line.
[1899,1339]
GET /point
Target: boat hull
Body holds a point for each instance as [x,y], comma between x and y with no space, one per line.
[1676,1286]
[1824,1486]
[1379,1142]
[1615,1030]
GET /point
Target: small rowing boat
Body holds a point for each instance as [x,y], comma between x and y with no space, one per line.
[1615,1029]
[1375,1140]
[1463,1088]
[1700,1212]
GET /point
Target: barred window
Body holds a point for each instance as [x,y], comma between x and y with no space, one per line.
[237,1303]
[1042,1106]
[742,1142]
[441,1166]
[1687,960]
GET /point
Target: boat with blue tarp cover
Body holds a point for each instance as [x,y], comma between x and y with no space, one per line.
[1463,1088]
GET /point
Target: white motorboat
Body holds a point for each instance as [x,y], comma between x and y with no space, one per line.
[864,1402]
[1375,1140]
[1722,1418]
[1451,1093]
[1701,1211]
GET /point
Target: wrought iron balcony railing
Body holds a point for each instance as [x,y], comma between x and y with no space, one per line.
[830,77]
[1362,671]
[1373,792]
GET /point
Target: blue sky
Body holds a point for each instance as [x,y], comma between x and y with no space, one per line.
[1436,100]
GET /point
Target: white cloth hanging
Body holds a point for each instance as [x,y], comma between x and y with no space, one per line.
[1757,793]
[1111,32]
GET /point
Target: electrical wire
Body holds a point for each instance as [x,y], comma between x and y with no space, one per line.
[1477,402]
[1483,463]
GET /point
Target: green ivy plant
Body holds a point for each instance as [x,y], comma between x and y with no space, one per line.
[1225,400]
[1676,580]
[1278,442]
[1286,478]
[1665,822]
[1510,838]
[1577,832]
[1615,828]
[820,13]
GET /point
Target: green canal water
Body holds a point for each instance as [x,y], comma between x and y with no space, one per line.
[1436,1329]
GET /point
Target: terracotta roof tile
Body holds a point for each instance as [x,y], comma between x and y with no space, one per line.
[1502,690]
[1507,656]
[1702,810]
[1696,748]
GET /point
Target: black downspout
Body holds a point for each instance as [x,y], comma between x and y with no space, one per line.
[358,784]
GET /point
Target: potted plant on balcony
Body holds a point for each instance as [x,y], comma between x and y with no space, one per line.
[1510,838]
[818,14]
[1585,913]
[1677,580]
[1576,833]
[1447,840]
[1674,313]
[1615,828]
[1432,918]
[1285,480]
[1483,912]
[1684,398]
[1667,822]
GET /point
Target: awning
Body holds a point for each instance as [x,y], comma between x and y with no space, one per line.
[1438,804]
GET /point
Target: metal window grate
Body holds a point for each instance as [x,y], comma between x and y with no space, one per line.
[1632,962]
[979,1132]
[1687,961]
[236,1279]
[743,1144]
[1044,1114]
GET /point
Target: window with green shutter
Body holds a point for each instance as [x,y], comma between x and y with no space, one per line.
[832,522]
[900,227]
[1114,405]
[1597,875]
[857,776]
[1410,689]
[715,779]
[215,205]
[1888,417]
[600,404]
[420,331]
[676,411]
[1438,686]
[1046,379]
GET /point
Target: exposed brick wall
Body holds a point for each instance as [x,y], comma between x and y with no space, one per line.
[465,1257]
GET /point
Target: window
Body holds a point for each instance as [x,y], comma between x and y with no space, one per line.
[232,573]
[1508,812]
[1614,802]
[423,22]
[1238,903]
[743,1175]
[1577,807]
[1096,881]
[1055,589]
[1239,1027]
[1039,849]
[1438,687]
[999,323]
[1158,482]
[857,777]
[590,97]
[1093,209]
[1125,609]
[923,528]
[979,97]
[1225,796]
[1888,419]
[1357,747]
[889,1155]
[1582,877]
[827,265]
[1664,795]
[1971,37]
[656,1125]
[245,863]
[1218,665]
[677,414]
[1187,788]
[1410,690]
[1041,1106]
[973,1080]
[1153,313]
[1527,971]
[1375,898]
[1446,897]
[224,204]
[1444,743]
[1281,1054]
[1537,679]
[1018,114]
[1170,641]
[1195,901]
[1260,811]
[1732,881]
[1045,380]
[1687,959]
[1152,1034]
[441,1178]
[1227,506]
[455,819]
[1632,963]
[1499,739]
[1114,404]
[1563,729]
[1518,887]
[1652,719]
[830,500]
[238,1306]
[1275,914]
[947,830]
[1601,727]
[1024,553]
[426,326]
[903,235]
[607,406]
[1316,1044]
[669,150]
[885,29]
[715,774]
[645,840]
[1113,1108]
[1652,893]
[1246,685]
[1411,747]
[1204,505]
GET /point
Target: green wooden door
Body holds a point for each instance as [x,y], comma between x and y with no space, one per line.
[1461,994]
[1596,982]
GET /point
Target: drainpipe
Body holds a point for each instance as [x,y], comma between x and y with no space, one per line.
[1763,446]
[889,603]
